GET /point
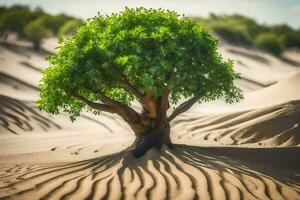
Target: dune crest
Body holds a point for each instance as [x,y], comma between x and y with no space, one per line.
[283,91]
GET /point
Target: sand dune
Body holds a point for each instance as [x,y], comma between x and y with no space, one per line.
[184,172]
[260,67]
[266,117]
[43,157]
[277,125]
[16,117]
[285,90]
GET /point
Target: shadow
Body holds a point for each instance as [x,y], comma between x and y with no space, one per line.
[23,50]
[30,66]
[262,59]
[251,56]
[289,61]
[256,82]
[261,160]
[15,113]
[242,63]
[15,83]
[186,172]
[278,125]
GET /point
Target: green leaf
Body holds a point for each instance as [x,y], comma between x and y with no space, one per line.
[145,45]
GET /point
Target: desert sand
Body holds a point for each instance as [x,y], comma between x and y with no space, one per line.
[248,150]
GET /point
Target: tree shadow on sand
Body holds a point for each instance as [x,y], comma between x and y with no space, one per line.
[18,117]
[186,172]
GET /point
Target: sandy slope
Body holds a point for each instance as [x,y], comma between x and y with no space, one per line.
[267,117]
[281,92]
[277,125]
[16,117]
[44,157]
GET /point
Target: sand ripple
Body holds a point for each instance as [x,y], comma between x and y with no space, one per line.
[277,125]
[16,116]
[180,173]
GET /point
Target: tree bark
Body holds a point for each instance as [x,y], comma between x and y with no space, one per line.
[155,131]
[152,138]
[152,126]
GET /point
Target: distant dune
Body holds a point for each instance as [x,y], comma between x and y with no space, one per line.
[243,151]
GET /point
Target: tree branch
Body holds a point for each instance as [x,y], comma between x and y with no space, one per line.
[172,75]
[125,111]
[138,128]
[126,84]
[129,87]
[184,106]
[163,106]
[97,106]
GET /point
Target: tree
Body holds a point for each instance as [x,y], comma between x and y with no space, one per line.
[15,18]
[289,37]
[54,23]
[153,56]
[233,28]
[18,18]
[69,27]
[35,31]
[270,42]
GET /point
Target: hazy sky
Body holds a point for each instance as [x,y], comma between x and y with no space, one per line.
[264,11]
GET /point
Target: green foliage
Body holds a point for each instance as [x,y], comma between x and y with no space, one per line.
[234,28]
[2,10]
[148,47]
[69,27]
[269,42]
[19,18]
[35,31]
[55,22]
[15,19]
[289,37]
[242,30]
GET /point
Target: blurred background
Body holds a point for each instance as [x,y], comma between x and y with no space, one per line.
[269,25]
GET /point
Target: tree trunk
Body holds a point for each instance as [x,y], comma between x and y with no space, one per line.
[154,137]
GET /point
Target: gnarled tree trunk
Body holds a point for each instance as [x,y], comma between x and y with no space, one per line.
[156,130]
[153,138]
[152,126]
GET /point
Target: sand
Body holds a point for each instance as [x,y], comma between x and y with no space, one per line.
[248,150]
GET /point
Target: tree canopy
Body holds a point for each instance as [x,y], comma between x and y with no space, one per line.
[115,59]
